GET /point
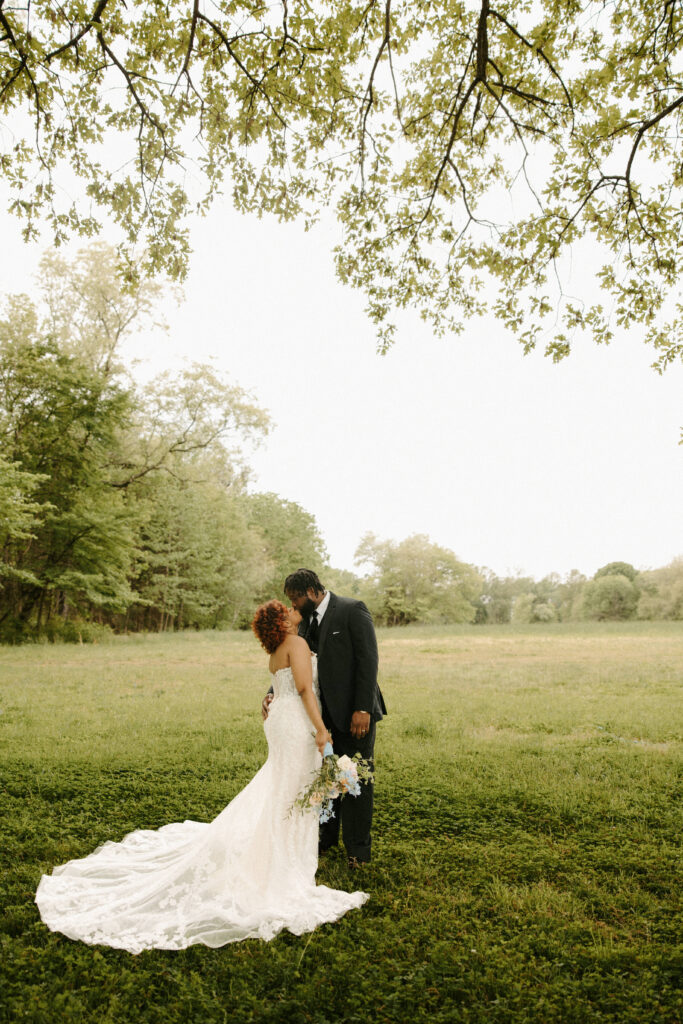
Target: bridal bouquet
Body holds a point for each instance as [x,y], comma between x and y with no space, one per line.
[337,776]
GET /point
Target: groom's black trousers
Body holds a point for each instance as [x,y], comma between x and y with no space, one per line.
[352,813]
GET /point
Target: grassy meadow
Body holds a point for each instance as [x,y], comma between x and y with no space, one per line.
[527,827]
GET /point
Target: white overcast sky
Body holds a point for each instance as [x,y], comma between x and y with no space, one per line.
[511,461]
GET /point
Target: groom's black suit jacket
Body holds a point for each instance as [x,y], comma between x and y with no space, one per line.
[347,661]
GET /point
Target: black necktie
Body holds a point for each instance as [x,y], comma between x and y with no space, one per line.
[313,632]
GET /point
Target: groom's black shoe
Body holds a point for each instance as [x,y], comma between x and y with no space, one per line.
[323,849]
[354,864]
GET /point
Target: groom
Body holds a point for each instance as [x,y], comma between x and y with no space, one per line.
[340,631]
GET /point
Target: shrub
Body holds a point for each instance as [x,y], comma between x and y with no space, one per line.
[77,631]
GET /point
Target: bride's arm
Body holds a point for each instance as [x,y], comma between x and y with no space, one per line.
[300,660]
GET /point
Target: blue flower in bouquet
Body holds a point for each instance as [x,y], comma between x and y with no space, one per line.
[326,813]
[347,777]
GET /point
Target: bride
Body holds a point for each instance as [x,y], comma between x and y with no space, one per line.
[247,874]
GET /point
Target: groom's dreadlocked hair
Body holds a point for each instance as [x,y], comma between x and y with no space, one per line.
[303,580]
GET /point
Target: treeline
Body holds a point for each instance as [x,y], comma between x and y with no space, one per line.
[418,581]
[125,506]
[616,592]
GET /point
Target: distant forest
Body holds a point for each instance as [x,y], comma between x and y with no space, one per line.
[125,507]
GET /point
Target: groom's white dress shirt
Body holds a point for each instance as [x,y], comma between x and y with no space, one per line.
[322,607]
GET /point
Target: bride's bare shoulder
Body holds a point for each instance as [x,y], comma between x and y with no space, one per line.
[296,643]
[291,647]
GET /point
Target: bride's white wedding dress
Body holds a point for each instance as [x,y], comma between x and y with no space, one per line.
[247,874]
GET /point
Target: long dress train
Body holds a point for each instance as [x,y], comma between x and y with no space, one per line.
[247,874]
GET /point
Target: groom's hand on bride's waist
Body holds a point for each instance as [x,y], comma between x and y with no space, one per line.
[265,704]
[360,724]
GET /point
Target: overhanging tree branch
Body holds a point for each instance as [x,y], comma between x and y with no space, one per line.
[73,43]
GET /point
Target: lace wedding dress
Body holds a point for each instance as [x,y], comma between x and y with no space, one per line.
[247,874]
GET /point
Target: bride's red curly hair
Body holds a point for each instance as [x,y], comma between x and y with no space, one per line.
[271,624]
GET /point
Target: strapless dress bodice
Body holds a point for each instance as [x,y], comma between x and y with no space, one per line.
[284,685]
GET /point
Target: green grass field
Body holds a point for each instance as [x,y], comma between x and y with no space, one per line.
[528,819]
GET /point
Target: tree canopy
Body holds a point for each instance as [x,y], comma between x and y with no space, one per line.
[612,596]
[116,499]
[417,581]
[468,148]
